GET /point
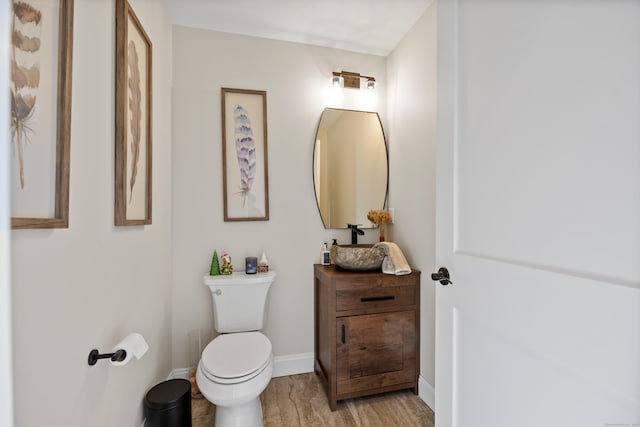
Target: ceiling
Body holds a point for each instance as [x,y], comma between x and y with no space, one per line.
[366,26]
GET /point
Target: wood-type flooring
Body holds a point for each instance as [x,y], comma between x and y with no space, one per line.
[300,400]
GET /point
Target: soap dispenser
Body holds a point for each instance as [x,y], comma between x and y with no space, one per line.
[325,257]
[263,264]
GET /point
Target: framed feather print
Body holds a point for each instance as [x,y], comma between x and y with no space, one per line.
[40,90]
[244,155]
[133,119]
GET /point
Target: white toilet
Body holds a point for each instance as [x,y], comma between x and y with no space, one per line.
[237,365]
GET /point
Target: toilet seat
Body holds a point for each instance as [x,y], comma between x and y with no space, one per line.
[235,358]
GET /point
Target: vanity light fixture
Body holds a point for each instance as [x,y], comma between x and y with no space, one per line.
[351,80]
[371,83]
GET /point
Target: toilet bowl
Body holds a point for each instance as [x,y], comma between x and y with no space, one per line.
[233,371]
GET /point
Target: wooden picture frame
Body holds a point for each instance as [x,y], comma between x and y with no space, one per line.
[133,133]
[244,155]
[40,90]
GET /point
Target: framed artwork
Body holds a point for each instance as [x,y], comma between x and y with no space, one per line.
[40,90]
[244,155]
[133,119]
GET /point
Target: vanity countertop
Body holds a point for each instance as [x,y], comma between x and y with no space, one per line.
[336,271]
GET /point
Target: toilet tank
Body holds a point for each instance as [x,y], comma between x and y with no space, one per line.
[239,300]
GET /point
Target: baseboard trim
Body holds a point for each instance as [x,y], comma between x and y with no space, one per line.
[292,364]
[180,373]
[427,393]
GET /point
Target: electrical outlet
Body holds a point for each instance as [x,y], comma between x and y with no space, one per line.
[392,212]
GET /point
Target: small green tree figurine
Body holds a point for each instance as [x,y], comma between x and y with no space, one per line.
[215,265]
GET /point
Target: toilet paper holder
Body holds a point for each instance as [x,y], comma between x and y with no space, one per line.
[133,346]
[117,356]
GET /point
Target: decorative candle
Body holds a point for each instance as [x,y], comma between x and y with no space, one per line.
[251,264]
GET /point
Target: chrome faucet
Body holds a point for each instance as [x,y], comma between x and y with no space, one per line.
[354,233]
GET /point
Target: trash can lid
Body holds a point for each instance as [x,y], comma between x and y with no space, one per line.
[167,394]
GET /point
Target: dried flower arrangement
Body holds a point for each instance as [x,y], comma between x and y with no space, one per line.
[379,216]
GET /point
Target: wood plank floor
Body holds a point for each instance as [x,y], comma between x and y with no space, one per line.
[300,400]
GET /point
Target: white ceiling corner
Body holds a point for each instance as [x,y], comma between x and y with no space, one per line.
[367,26]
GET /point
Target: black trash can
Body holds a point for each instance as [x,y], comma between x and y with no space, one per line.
[168,404]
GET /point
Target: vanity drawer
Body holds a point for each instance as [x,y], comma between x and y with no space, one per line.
[378,297]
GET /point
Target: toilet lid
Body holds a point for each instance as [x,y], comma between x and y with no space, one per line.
[233,356]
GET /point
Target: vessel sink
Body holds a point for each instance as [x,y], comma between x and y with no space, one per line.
[357,257]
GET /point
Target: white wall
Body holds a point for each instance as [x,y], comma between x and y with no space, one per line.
[91,284]
[411,74]
[6,385]
[296,78]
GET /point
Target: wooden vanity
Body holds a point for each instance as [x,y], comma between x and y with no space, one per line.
[367,332]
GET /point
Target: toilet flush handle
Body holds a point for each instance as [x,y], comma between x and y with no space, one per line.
[218,292]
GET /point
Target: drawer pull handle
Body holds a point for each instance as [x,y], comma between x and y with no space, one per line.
[344,335]
[385,298]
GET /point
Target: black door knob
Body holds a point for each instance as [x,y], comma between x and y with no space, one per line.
[442,276]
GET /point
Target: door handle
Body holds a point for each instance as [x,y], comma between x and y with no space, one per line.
[442,276]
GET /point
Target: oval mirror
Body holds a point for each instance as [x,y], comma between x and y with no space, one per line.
[350,167]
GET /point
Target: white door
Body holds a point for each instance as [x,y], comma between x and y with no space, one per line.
[538,213]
